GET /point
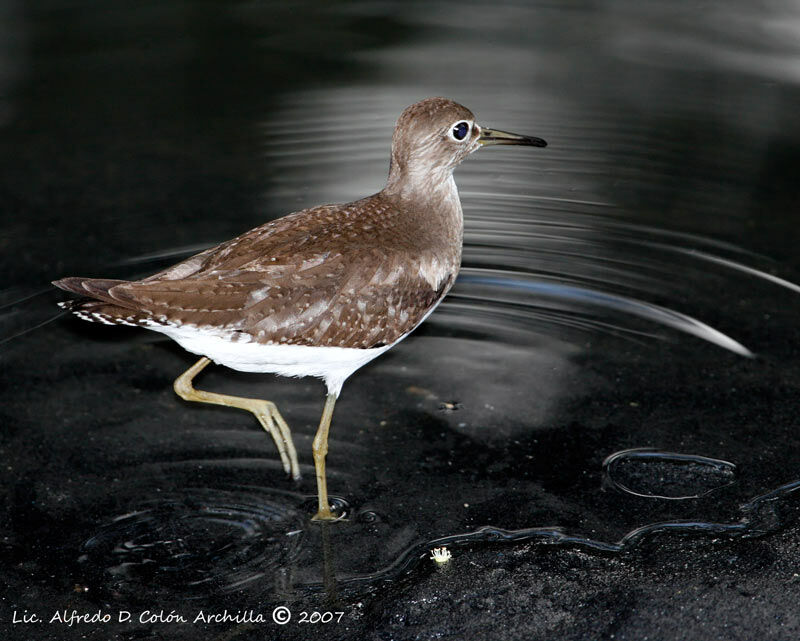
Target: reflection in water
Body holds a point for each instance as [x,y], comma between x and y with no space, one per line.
[759,516]
[197,540]
[202,541]
[583,298]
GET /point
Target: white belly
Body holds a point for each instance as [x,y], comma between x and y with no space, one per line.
[332,364]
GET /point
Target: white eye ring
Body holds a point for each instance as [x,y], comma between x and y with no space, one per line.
[460,128]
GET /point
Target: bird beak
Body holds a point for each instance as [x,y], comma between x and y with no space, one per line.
[497,137]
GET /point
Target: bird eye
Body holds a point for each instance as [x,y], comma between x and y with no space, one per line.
[460,130]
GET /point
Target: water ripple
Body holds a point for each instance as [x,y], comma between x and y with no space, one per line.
[761,515]
[641,309]
[196,540]
[651,473]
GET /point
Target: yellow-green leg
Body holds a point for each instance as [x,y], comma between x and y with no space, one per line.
[320,450]
[265,411]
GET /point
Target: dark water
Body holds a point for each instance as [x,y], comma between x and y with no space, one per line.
[617,364]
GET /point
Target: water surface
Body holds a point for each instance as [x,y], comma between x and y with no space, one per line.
[628,294]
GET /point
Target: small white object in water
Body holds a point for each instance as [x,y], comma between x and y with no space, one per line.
[441,555]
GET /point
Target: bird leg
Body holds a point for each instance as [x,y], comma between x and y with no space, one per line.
[320,450]
[265,411]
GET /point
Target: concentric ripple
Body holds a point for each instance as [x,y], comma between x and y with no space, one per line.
[197,541]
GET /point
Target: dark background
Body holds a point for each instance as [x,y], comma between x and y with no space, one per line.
[629,290]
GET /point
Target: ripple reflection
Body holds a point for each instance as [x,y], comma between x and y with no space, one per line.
[655,474]
[198,541]
[759,516]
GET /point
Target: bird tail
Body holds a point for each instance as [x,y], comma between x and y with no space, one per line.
[96,304]
[96,288]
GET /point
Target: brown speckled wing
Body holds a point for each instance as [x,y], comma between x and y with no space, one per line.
[353,299]
[304,235]
[360,275]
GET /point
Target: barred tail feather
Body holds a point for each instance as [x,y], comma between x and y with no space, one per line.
[97,305]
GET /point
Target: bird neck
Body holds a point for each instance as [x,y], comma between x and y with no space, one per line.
[432,205]
[415,176]
[421,185]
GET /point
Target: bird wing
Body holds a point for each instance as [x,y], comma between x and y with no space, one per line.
[357,298]
[349,275]
[302,232]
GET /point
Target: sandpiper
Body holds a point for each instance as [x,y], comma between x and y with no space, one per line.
[320,292]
